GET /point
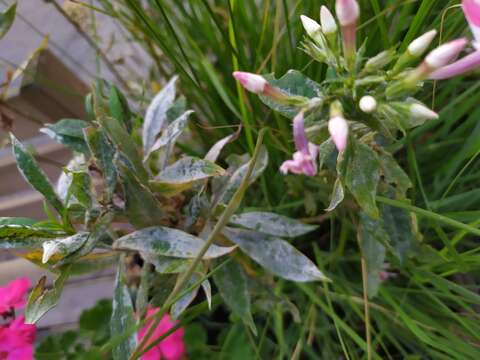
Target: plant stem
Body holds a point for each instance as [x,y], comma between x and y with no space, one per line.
[184,277]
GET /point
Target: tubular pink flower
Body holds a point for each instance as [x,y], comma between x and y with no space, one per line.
[445,54]
[471,9]
[466,64]
[347,11]
[12,296]
[252,82]
[304,159]
[16,340]
[170,348]
[338,128]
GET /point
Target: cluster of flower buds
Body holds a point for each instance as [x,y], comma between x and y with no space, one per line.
[384,94]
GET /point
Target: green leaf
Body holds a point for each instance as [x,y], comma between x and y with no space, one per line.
[122,316]
[68,132]
[160,240]
[294,83]
[372,236]
[21,228]
[42,300]
[275,255]
[183,174]
[338,195]
[141,207]
[233,287]
[272,224]
[6,19]
[398,224]
[156,115]
[362,176]
[394,174]
[35,176]
[236,179]
[118,106]
[103,153]
[63,247]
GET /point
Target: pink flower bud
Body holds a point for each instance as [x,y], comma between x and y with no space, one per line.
[252,82]
[466,64]
[348,11]
[445,53]
[338,128]
[471,8]
[368,104]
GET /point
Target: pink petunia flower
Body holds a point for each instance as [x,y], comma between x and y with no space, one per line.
[12,296]
[170,348]
[16,340]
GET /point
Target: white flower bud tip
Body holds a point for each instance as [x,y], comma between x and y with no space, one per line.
[329,26]
[368,104]
[420,111]
[418,46]
[445,53]
[310,25]
[252,82]
[338,129]
[347,11]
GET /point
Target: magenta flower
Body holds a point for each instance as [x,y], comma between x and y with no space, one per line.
[471,9]
[16,340]
[170,348]
[12,296]
[304,159]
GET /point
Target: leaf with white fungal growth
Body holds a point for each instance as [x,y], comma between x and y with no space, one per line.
[68,132]
[34,175]
[173,131]
[272,224]
[232,284]
[215,150]
[123,316]
[236,179]
[156,115]
[183,174]
[275,255]
[159,240]
[63,247]
[181,304]
[338,195]
[372,236]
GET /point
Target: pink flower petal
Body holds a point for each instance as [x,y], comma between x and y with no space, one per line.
[13,294]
